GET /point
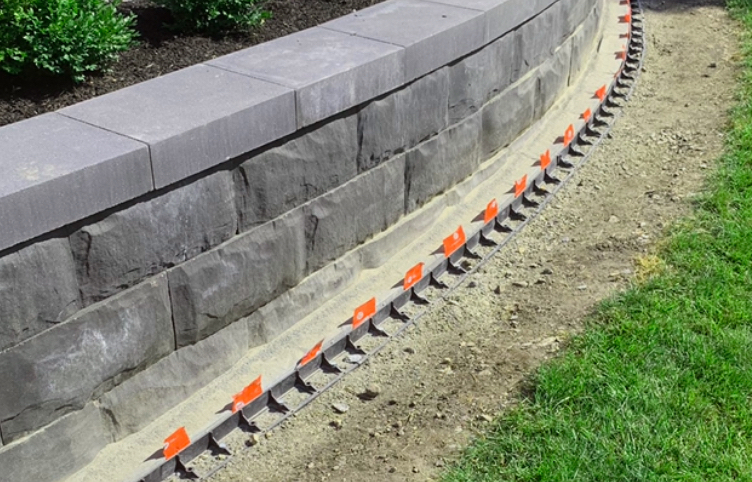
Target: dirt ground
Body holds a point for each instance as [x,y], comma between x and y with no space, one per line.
[464,362]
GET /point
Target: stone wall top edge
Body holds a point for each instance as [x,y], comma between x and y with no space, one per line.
[164,130]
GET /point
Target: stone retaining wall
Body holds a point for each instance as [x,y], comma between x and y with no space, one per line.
[145,232]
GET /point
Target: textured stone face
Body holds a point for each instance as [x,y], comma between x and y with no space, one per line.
[482,75]
[151,236]
[508,114]
[61,369]
[219,287]
[285,177]
[400,121]
[38,289]
[347,216]
[553,78]
[535,48]
[438,164]
[136,402]
[56,451]
[583,40]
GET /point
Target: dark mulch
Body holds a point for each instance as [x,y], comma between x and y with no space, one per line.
[161,52]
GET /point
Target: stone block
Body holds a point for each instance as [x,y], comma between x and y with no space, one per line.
[583,41]
[329,71]
[274,318]
[341,219]
[231,281]
[576,12]
[61,369]
[508,114]
[38,289]
[502,16]
[132,405]
[195,118]
[57,171]
[401,120]
[553,78]
[432,34]
[151,236]
[440,163]
[301,169]
[539,38]
[56,451]
[482,75]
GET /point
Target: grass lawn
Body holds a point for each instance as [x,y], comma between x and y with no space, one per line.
[660,385]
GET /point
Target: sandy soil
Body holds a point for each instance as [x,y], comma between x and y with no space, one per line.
[465,361]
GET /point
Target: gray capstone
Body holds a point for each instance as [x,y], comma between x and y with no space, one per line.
[132,405]
[61,369]
[440,163]
[56,451]
[194,119]
[57,171]
[329,71]
[38,290]
[151,236]
[284,177]
[508,114]
[401,120]
[231,281]
[432,34]
[341,219]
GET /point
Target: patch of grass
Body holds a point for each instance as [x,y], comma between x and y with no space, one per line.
[659,388]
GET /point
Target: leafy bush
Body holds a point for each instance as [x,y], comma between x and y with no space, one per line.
[215,16]
[62,37]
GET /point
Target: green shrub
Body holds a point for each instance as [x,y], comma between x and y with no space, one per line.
[215,17]
[62,37]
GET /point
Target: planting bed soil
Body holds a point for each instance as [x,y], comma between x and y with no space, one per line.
[161,51]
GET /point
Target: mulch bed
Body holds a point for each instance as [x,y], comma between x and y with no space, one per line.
[160,52]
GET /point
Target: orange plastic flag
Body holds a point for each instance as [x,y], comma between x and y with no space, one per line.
[176,443]
[519,186]
[545,160]
[492,210]
[311,354]
[568,135]
[413,276]
[249,394]
[363,312]
[454,242]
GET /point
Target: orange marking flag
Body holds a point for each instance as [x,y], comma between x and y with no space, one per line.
[586,115]
[249,394]
[413,276]
[519,186]
[176,443]
[568,135]
[363,312]
[454,242]
[311,354]
[492,210]
[601,93]
[545,160]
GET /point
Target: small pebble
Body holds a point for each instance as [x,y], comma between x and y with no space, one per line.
[340,407]
[372,391]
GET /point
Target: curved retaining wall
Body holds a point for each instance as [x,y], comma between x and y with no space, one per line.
[139,227]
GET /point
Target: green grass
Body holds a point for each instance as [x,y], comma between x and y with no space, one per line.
[659,388]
